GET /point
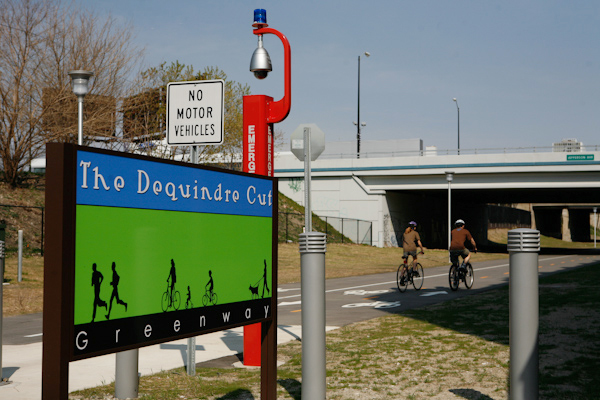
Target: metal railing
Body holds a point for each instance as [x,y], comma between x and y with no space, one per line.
[337,230]
[450,152]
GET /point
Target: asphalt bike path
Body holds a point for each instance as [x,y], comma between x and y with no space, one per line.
[360,298]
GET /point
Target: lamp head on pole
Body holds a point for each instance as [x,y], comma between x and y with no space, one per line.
[79,81]
[449,175]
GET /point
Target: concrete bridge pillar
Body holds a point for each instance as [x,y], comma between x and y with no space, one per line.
[566,230]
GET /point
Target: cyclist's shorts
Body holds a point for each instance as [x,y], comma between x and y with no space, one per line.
[454,254]
[410,253]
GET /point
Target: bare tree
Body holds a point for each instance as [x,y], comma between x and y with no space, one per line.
[40,41]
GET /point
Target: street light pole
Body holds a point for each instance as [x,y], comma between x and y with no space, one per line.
[79,83]
[595,225]
[458,114]
[358,123]
[449,177]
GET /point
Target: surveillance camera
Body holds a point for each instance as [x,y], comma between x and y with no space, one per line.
[261,74]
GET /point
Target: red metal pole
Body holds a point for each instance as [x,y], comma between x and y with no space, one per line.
[257,137]
[260,113]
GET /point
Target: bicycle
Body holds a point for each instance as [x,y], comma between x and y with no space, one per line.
[413,275]
[189,304]
[172,300]
[209,298]
[463,273]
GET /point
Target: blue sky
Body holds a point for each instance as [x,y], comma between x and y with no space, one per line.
[525,73]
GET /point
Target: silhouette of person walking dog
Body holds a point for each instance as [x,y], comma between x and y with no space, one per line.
[115,291]
[265,285]
[97,279]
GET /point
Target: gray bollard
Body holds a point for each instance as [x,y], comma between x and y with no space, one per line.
[126,374]
[313,246]
[523,247]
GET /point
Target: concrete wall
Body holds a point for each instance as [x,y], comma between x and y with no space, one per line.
[341,197]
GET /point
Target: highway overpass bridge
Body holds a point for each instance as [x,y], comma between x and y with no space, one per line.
[560,190]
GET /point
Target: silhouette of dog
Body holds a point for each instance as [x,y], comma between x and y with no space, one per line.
[254,291]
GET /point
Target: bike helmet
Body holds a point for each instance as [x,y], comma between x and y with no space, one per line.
[459,222]
[412,223]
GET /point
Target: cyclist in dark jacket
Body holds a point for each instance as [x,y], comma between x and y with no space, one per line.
[459,236]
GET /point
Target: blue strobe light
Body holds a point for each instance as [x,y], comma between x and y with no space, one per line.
[260,16]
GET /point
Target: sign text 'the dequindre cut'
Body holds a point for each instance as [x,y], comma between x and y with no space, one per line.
[140,185]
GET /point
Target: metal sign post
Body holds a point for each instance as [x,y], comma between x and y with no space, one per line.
[307,211]
[2,379]
[312,267]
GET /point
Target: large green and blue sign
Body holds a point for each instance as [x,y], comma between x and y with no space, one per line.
[166,250]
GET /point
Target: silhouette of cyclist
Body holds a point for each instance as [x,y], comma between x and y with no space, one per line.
[173,278]
[189,297]
[210,285]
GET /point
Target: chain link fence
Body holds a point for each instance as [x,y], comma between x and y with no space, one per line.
[338,230]
[30,219]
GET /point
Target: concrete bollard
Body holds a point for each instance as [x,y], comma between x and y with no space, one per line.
[523,247]
[126,374]
[313,246]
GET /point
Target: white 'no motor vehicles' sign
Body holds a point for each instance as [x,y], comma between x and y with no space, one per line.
[195,112]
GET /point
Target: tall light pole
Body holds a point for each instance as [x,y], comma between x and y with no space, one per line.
[79,83]
[357,122]
[458,113]
[595,225]
[449,177]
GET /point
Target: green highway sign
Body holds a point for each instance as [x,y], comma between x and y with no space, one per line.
[580,157]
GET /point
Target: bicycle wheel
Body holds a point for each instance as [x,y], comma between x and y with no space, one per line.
[401,281]
[418,276]
[205,299]
[176,300]
[164,303]
[453,278]
[469,276]
[213,299]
